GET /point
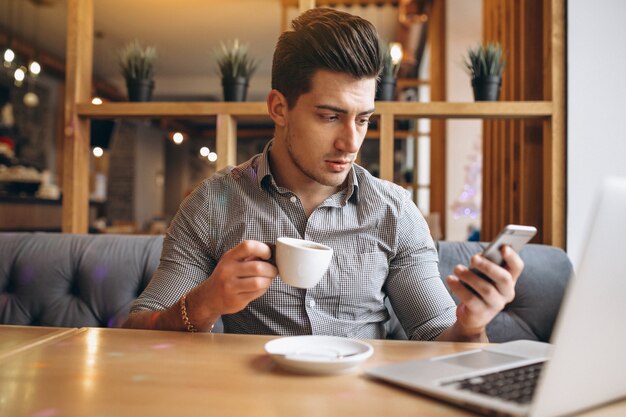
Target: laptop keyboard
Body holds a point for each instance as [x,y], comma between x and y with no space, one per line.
[517,384]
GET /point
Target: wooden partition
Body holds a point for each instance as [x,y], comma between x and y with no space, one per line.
[546,112]
[524,161]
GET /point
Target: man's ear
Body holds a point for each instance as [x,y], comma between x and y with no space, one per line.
[277,108]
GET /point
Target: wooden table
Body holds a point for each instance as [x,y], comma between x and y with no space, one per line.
[117,372]
[16,338]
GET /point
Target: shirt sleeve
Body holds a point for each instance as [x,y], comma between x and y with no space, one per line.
[414,287]
[186,259]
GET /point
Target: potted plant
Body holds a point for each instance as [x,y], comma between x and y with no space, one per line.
[485,64]
[391,56]
[235,67]
[137,64]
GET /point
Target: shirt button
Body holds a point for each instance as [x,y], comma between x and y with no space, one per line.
[312,303]
[293,199]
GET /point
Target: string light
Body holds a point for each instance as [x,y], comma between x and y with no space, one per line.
[204,151]
[98,152]
[19,74]
[96,100]
[34,68]
[9,56]
[178,138]
[212,157]
[31,99]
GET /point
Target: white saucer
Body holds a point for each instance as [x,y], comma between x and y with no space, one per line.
[318,354]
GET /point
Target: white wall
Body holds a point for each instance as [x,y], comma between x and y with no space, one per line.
[464,137]
[596,107]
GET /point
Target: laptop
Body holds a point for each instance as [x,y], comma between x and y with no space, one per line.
[584,365]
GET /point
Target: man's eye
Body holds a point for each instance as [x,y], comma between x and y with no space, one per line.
[330,117]
[364,122]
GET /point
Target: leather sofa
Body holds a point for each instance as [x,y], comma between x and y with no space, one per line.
[66,280]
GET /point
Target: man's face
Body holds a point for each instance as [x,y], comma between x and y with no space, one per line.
[326,127]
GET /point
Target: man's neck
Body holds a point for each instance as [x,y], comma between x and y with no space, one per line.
[310,193]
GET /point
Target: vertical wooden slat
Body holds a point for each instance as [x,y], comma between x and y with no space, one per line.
[520,163]
[284,18]
[486,175]
[491,169]
[554,144]
[532,195]
[79,59]
[226,141]
[59,135]
[305,5]
[437,40]
[386,146]
[524,166]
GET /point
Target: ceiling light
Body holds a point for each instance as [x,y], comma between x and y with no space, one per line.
[98,152]
[212,157]
[204,151]
[96,100]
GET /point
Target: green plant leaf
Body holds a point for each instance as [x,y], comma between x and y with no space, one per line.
[233,60]
[137,62]
[485,60]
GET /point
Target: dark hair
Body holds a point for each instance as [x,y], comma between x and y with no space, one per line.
[326,39]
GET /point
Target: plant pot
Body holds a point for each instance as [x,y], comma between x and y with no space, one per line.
[486,88]
[386,89]
[235,89]
[139,89]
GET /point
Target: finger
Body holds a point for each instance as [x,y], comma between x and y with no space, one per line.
[252,285]
[247,297]
[500,277]
[256,268]
[465,296]
[484,288]
[513,262]
[248,249]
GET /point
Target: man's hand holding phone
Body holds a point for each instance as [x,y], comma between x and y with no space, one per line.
[480,299]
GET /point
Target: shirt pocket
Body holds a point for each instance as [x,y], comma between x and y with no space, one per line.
[359,284]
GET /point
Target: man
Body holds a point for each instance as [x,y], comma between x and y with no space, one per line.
[305,185]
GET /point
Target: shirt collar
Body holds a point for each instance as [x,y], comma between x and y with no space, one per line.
[264,171]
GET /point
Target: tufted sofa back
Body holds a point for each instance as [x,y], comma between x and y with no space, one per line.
[91,280]
[73,280]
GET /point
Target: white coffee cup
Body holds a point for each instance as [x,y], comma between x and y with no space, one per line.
[302,263]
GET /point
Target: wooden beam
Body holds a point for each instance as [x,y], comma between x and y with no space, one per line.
[304,5]
[431,110]
[386,146]
[77,89]
[348,3]
[226,141]
[555,144]
[438,135]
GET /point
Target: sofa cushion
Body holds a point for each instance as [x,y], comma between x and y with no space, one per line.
[73,280]
[539,290]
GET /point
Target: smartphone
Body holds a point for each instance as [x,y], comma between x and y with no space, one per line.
[514,235]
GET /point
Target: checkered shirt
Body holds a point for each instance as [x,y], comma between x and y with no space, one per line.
[382,248]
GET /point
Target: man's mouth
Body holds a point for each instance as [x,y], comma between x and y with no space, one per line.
[338,165]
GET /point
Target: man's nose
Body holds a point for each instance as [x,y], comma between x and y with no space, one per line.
[350,139]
